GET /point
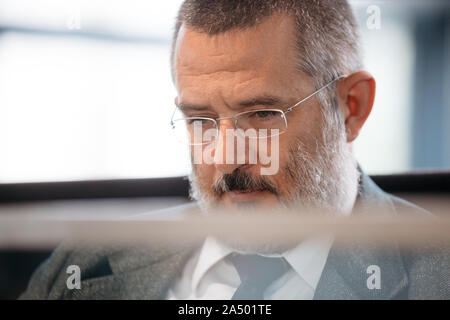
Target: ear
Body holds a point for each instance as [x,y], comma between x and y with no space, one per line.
[176,101]
[356,95]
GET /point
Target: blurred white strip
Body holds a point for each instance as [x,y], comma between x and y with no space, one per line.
[23,232]
[140,18]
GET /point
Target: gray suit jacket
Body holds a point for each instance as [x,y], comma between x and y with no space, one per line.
[148,273]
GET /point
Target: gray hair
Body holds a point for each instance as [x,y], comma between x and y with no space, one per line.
[327,32]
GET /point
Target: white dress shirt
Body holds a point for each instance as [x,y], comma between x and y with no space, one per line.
[207,275]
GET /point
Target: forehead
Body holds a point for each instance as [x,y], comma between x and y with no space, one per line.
[268,48]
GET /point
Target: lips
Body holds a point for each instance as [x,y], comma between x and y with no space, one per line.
[243,191]
[246,195]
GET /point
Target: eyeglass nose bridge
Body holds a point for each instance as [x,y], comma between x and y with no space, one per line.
[217,121]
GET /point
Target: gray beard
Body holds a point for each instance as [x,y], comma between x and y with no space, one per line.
[324,181]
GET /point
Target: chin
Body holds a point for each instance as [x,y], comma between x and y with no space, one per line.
[242,245]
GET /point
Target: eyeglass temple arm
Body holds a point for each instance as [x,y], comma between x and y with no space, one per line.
[314,93]
[173,114]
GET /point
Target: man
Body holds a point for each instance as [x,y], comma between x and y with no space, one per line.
[292,69]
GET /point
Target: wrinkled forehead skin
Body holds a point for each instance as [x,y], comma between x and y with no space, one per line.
[238,63]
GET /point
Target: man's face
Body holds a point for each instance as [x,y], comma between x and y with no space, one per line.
[217,76]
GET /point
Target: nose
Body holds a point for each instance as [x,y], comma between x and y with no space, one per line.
[225,157]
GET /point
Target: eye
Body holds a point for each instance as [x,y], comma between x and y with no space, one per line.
[196,120]
[199,122]
[264,114]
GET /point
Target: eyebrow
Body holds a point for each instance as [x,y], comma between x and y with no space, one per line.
[192,107]
[264,100]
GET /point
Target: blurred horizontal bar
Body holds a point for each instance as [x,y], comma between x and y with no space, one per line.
[126,188]
[26,232]
[97,35]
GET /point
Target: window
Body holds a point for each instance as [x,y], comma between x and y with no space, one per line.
[86,91]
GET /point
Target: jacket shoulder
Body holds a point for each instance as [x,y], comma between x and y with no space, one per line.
[49,281]
[428,266]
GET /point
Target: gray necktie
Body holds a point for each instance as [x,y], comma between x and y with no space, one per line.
[256,274]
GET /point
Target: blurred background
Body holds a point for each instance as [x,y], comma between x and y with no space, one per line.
[86,95]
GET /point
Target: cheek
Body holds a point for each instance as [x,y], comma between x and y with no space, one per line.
[283,159]
[304,131]
[204,173]
[295,140]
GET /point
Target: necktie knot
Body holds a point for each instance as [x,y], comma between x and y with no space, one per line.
[256,274]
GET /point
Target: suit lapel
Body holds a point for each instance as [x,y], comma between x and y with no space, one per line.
[139,272]
[345,273]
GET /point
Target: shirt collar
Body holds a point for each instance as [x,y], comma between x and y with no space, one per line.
[307,259]
[212,252]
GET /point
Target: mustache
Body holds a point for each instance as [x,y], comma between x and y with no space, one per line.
[241,181]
